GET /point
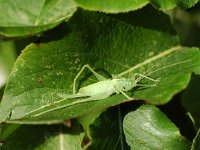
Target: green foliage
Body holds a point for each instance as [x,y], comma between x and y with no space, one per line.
[7,59]
[106,131]
[190,100]
[113,6]
[196,142]
[124,39]
[151,129]
[23,18]
[44,137]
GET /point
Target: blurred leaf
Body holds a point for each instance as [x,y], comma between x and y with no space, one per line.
[190,99]
[110,45]
[187,25]
[25,18]
[116,6]
[196,142]
[7,59]
[7,129]
[55,137]
[149,128]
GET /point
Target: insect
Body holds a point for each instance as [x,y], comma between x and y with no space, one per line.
[106,87]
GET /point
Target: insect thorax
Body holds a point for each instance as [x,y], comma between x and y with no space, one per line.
[123,84]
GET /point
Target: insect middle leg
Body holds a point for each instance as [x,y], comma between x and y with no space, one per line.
[126,95]
[123,93]
[98,76]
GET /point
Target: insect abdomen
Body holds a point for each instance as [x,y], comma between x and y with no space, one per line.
[98,88]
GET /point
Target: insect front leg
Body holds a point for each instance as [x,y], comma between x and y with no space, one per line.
[141,76]
[98,76]
[123,93]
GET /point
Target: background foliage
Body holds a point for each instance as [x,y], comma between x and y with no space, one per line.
[43,46]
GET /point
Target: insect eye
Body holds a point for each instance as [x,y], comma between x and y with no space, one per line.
[124,88]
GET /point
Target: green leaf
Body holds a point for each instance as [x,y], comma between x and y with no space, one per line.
[23,18]
[190,100]
[7,129]
[149,128]
[7,59]
[170,4]
[196,142]
[112,6]
[106,131]
[112,45]
[116,6]
[54,137]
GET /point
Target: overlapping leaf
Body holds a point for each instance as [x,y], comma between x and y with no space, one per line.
[25,18]
[149,128]
[106,131]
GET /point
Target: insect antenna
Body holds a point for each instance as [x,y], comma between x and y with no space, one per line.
[149,72]
[151,59]
[162,68]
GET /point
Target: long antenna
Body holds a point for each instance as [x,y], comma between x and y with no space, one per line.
[167,52]
[164,67]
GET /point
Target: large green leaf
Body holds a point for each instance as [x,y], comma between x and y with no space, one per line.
[113,45]
[116,6]
[55,137]
[149,128]
[22,17]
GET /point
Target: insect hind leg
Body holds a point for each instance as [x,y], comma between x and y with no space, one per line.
[98,76]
